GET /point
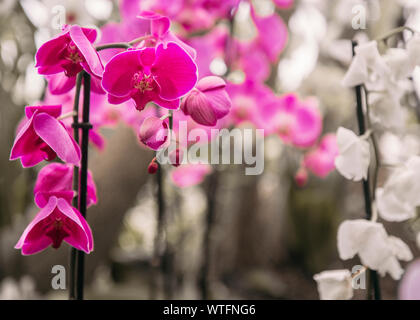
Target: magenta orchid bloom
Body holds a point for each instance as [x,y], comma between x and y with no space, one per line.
[153,132]
[102,113]
[161,75]
[320,161]
[56,179]
[56,222]
[64,56]
[43,137]
[160,33]
[190,174]
[208,101]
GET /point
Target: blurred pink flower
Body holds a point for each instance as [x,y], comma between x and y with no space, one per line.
[160,33]
[154,132]
[64,56]
[191,15]
[296,122]
[208,101]
[272,34]
[249,102]
[43,137]
[56,179]
[320,161]
[209,47]
[56,222]
[161,75]
[409,288]
[283,4]
[190,174]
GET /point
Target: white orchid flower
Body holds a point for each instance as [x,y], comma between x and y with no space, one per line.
[375,248]
[399,197]
[334,284]
[354,155]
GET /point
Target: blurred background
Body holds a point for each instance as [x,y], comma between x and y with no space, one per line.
[261,237]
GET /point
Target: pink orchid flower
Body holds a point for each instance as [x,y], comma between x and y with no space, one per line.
[153,132]
[296,122]
[64,56]
[190,174]
[284,4]
[161,75]
[56,179]
[160,32]
[272,34]
[209,47]
[250,100]
[43,137]
[130,8]
[208,101]
[57,221]
[320,161]
[102,114]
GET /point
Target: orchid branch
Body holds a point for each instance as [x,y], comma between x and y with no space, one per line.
[373,276]
[67,115]
[374,144]
[122,45]
[394,32]
[73,251]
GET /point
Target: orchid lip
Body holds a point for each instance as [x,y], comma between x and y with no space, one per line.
[143,82]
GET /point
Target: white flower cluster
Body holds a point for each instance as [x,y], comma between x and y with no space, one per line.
[388,78]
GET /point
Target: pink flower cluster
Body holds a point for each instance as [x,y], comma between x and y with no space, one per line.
[44,137]
[174,73]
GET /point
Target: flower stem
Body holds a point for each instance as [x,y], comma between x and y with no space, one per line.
[122,45]
[394,32]
[119,45]
[73,251]
[85,126]
[374,144]
[67,115]
[373,280]
[159,245]
[204,279]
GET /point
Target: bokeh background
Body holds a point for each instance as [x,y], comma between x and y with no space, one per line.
[266,237]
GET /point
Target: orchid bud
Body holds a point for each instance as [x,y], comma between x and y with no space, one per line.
[176,157]
[208,101]
[153,132]
[153,167]
[301,177]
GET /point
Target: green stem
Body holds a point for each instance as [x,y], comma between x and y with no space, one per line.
[374,144]
[373,280]
[119,45]
[393,32]
[122,45]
